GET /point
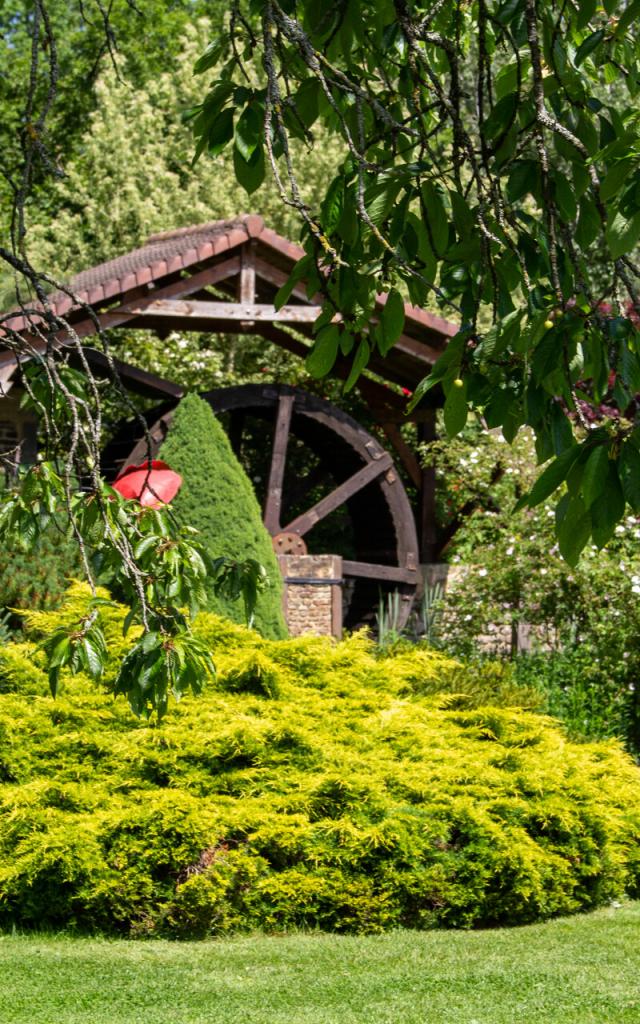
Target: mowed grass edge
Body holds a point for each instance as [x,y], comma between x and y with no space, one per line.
[583,969]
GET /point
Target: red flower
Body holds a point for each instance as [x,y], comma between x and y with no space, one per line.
[151,486]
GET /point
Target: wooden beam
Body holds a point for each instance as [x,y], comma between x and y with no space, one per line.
[276,277]
[224,311]
[374,393]
[273,503]
[140,381]
[121,315]
[372,571]
[302,524]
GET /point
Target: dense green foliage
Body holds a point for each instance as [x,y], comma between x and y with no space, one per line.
[37,577]
[493,168]
[311,785]
[580,970]
[144,37]
[217,499]
[585,624]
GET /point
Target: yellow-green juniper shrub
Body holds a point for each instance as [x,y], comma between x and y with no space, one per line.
[347,791]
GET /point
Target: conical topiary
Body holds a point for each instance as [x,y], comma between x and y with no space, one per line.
[217,499]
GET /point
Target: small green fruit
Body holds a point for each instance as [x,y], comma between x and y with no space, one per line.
[548,324]
[458,383]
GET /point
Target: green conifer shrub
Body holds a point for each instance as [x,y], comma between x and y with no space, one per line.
[37,577]
[355,792]
[217,499]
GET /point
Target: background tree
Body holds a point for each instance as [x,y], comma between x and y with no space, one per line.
[130,175]
[493,168]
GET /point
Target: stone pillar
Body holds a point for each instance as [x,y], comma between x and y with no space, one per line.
[312,594]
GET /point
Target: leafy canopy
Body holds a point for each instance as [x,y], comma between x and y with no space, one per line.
[492,173]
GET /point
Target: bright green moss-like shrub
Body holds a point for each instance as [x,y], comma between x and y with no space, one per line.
[313,785]
[217,499]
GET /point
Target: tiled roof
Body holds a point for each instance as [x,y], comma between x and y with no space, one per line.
[165,257]
[161,255]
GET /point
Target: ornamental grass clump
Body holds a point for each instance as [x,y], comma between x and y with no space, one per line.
[312,785]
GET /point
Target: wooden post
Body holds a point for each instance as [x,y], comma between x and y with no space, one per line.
[247,280]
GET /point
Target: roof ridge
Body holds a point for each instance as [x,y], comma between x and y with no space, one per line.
[210,225]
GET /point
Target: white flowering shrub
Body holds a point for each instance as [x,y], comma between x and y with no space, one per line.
[585,635]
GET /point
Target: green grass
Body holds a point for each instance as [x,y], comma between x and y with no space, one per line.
[580,970]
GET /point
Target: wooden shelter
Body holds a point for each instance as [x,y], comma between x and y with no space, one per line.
[222,277]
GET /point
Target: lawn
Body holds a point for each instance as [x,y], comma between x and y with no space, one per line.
[582,970]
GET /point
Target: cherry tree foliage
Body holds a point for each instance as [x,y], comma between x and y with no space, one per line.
[492,173]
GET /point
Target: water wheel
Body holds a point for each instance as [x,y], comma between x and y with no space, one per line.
[325,485]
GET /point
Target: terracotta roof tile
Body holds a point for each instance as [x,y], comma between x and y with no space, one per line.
[172,250]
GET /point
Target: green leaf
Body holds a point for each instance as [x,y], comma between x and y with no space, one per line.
[333,205]
[210,57]
[585,12]
[561,432]
[425,252]
[628,17]
[589,223]
[623,233]
[564,197]
[307,101]
[573,529]
[615,179]
[629,469]
[463,217]
[437,217]
[608,509]
[220,132]
[360,361]
[501,334]
[588,46]
[324,352]
[596,473]
[391,321]
[92,656]
[379,200]
[303,267]
[555,474]
[501,116]
[249,131]
[524,177]
[249,173]
[455,410]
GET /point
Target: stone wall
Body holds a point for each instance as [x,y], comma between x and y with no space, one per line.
[312,597]
[500,639]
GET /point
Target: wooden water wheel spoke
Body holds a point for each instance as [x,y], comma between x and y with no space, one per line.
[303,523]
[273,503]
